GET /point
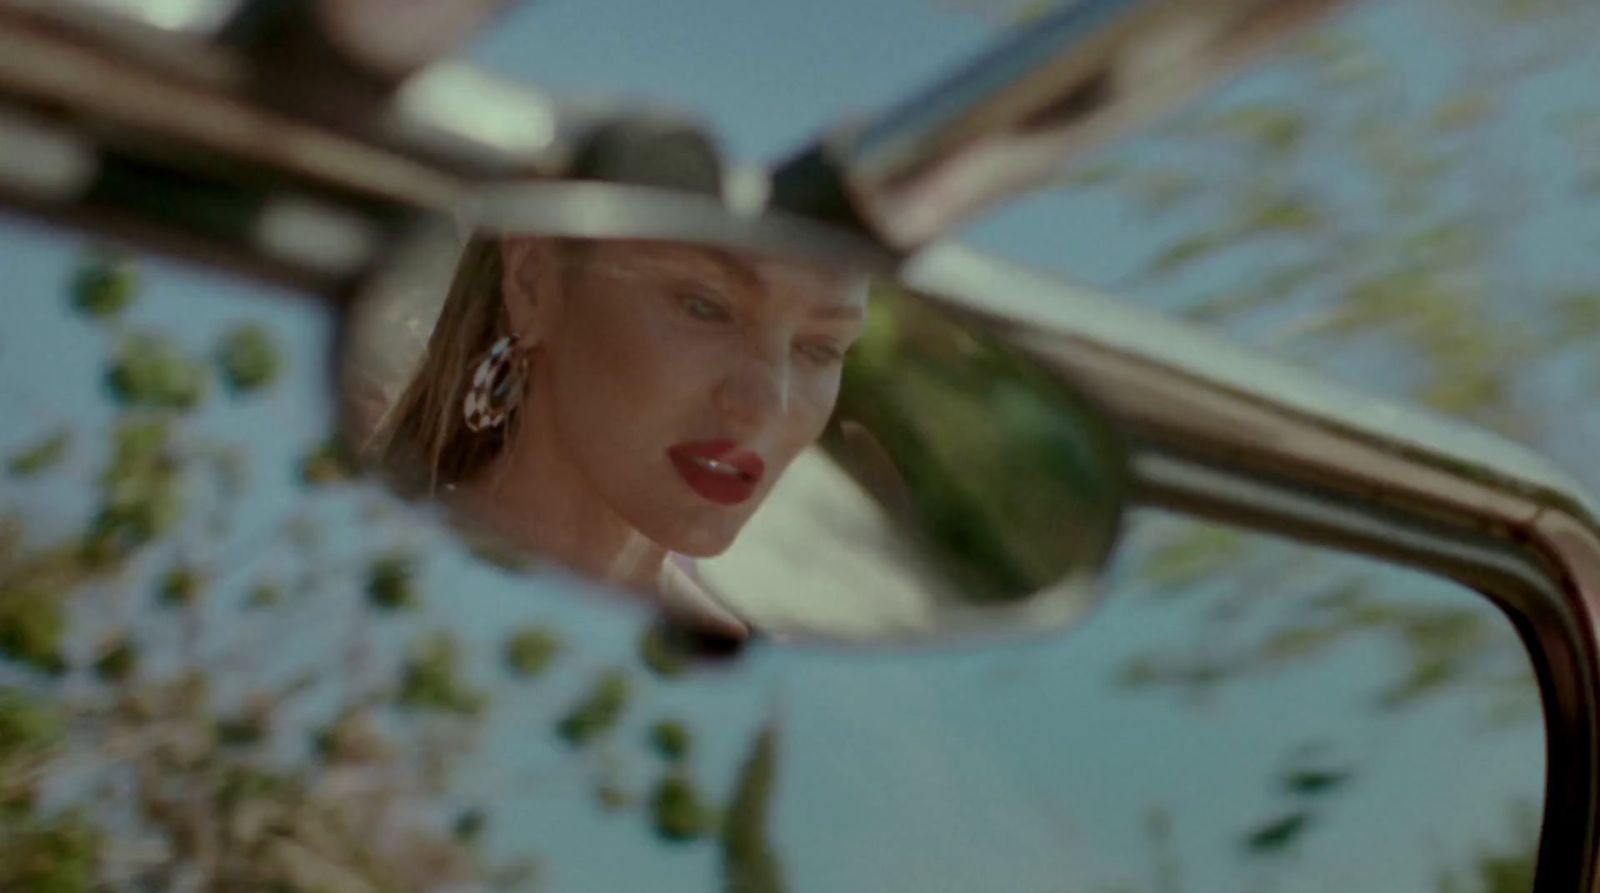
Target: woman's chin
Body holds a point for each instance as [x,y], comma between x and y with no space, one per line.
[702,550]
[699,543]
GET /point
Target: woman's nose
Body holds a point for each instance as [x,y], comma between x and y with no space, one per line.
[755,391]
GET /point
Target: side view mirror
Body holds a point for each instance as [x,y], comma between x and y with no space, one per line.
[785,441]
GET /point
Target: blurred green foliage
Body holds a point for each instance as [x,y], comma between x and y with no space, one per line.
[679,811]
[28,727]
[750,862]
[242,730]
[1350,213]
[391,583]
[530,651]
[44,454]
[671,739]
[118,661]
[1278,834]
[665,650]
[48,855]
[612,796]
[352,738]
[1505,870]
[330,462]
[33,622]
[431,678]
[248,359]
[598,711]
[141,491]
[265,595]
[151,371]
[1315,781]
[469,825]
[180,586]
[1204,552]
[104,285]
[1009,481]
[242,784]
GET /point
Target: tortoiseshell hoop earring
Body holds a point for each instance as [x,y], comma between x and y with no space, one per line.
[496,385]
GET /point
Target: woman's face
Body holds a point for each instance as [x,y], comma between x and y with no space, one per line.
[680,382]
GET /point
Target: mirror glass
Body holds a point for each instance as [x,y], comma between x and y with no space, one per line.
[759,444]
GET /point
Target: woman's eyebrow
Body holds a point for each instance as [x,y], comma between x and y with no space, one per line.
[848,312]
[740,270]
[731,265]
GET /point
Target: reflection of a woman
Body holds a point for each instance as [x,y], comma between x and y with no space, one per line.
[643,401]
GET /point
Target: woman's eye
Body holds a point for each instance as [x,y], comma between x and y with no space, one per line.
[701,307]
[821,352]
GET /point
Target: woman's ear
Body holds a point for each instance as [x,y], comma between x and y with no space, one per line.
[528,286]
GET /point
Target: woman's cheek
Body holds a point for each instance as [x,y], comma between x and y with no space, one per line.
[815,403]
[660,353]
[827,390]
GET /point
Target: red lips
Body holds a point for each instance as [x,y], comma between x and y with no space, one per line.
[718,470]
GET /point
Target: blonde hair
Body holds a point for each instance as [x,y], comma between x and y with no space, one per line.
[423,439]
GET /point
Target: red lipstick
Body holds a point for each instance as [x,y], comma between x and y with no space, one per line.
[718,470]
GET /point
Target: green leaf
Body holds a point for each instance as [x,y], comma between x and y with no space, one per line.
[665,650]
[750,862]
[1463,390]
[1276,287]
[180,586]
[430,678]
[104,285]
[141,492]
[43,455]
[1276,131]
[248,358]
[531,650]
[29,727]
[244,730]
[1577,318]
[119,661]
[264,595]
[391,583]
[469,825]
[671,739]
[1314,782]
[1507,868]
[1301,641]
[328,463]
[598,712]
[1451,241]
[33,623]
[1194,553]
[1278,835]
[1290,215]
[679,812]
[1342,59]
[1188,250]
[242,784]
[60,854]
[151,371]
[351,738]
